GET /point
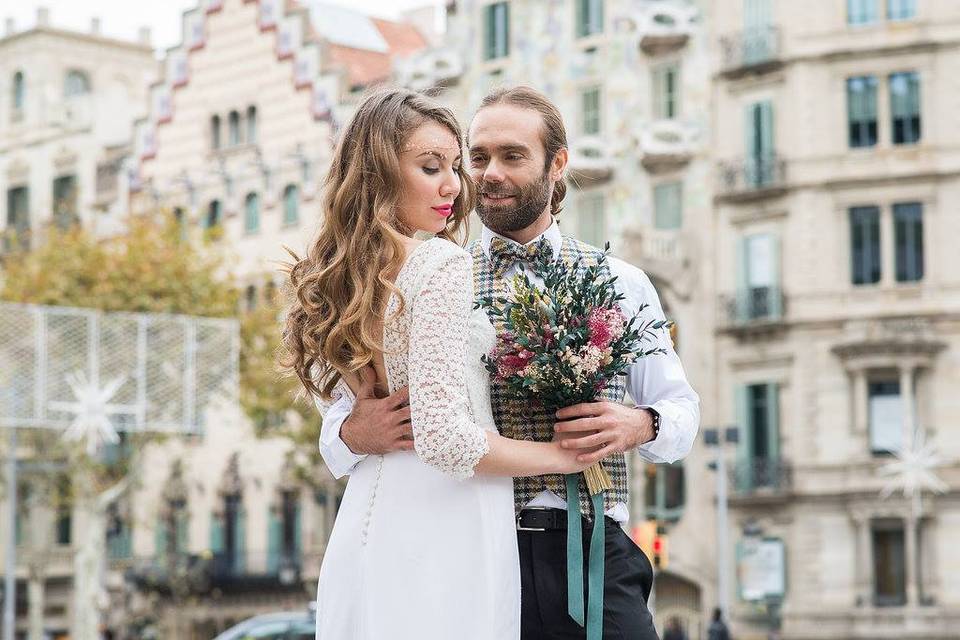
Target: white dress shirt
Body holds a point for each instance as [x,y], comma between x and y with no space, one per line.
[658,382]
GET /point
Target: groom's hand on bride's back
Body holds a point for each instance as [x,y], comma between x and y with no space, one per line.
[378,425]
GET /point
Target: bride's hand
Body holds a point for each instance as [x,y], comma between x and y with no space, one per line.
[567,458]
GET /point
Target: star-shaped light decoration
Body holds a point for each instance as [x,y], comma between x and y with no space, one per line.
[92,410]
[912,470]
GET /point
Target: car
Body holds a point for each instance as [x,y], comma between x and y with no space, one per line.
[287,625]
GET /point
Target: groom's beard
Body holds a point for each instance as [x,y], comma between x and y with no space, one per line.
[529,203]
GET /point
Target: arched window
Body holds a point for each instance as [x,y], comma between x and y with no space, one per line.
[251,124]
[76,84]
[213,218]
[233,125]
[215,133]
[19,91]
[291,205]
[251,213]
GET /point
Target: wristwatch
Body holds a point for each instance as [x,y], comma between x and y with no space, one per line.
[656,422]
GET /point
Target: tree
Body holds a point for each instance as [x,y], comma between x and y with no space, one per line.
[152,268]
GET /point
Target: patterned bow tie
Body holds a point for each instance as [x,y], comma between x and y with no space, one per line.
[504,254]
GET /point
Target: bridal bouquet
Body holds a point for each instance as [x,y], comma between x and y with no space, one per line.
[562,344]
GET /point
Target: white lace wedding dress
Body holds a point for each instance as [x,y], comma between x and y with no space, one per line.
[422,549]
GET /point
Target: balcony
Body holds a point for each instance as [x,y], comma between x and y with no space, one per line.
[753,309]
[666,145]
[430,69]
[665,27]
[752,51]
[753,178]
[764,479]
[226,572]
[590,161]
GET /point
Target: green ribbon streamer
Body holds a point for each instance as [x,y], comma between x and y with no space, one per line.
[575,606]
[574,550]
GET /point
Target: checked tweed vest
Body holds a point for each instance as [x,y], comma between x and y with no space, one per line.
[519,420]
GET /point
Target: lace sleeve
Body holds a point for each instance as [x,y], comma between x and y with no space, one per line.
[445,434]
[340,392]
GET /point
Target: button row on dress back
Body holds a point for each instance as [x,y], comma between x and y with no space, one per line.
[364,529]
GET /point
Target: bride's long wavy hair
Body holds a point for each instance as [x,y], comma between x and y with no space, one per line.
[341,287]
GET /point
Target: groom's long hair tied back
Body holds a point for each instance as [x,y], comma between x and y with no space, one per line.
[341,288]
[553,135]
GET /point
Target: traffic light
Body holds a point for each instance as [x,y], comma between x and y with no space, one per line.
[652,540]
[659,557]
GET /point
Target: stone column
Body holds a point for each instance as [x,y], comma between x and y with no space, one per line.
[864,568]
[860,401]
[907,401]
[910,549]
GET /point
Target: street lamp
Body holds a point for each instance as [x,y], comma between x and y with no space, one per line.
[716,437]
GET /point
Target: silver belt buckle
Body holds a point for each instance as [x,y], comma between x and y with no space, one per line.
[520,528]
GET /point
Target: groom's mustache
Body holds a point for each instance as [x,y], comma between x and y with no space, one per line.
[487,189]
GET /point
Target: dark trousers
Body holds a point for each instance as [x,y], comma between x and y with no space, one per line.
[628,578]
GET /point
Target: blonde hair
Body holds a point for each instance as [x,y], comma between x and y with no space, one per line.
[342,286]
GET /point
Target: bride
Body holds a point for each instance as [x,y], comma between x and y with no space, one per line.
[424,546]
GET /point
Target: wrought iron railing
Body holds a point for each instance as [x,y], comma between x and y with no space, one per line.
[762,171]
[750,48]
[754,304]
[773,475]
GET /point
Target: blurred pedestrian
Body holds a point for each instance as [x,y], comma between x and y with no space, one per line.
[718,628]
[675,630]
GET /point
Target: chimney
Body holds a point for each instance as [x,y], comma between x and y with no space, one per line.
[144,36]
[95,26]
[10,28]
[43,17]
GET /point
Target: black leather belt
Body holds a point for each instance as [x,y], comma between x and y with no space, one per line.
[541,519]
[548,519]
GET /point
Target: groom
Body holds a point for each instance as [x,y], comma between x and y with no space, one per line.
[518,155]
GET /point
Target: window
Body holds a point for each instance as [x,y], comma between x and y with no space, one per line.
[64,520]
[233,128]
[759,295]
[250,297]
[759,43]
[889,563]
[861,12]
[19,92]
[908,239]
[251,124]
[901,9]
[497,31]
[213,219]
[758,463]
[665,492]
[65,202]
[905,107]
[233,533]
[180,222]
[18,217]
[668,205]
[865,244]
[590,111]
[885,415]
[172,533]
[760,156]
[291,205]
[251,215]
[862,111]
[76,84]
[592,219]
[215,141]
[666,92]
[589,17]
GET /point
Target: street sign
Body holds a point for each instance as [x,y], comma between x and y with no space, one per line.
[761,568]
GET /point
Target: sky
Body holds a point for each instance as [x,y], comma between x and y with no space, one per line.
[123,18]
